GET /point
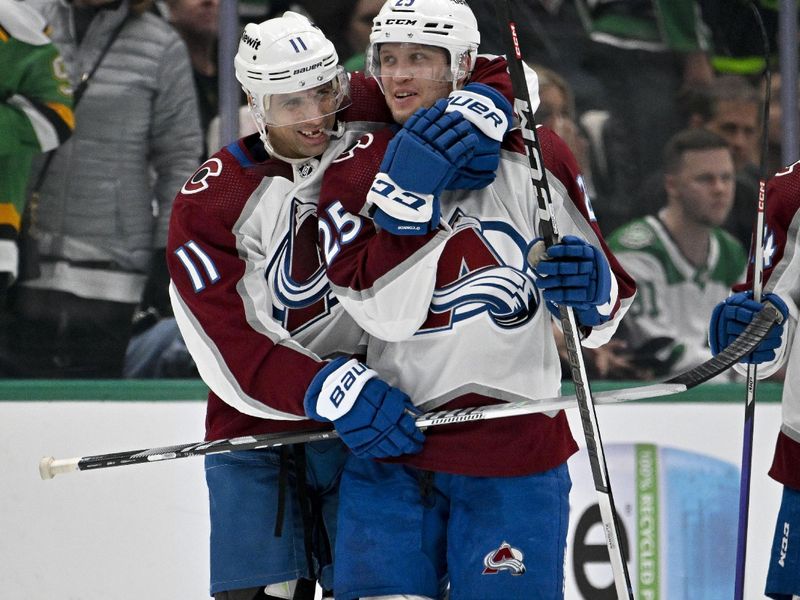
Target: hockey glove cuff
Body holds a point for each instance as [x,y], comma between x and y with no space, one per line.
[400,211]
[419,161]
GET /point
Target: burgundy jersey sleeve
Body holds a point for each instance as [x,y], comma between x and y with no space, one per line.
[384,281]
[246,359]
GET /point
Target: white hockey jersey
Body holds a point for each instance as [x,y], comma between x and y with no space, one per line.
[454,316]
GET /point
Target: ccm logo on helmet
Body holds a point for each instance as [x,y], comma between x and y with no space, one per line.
[401,21]
[308,68]
[251,41]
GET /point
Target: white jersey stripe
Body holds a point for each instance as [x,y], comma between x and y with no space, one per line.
[194,274]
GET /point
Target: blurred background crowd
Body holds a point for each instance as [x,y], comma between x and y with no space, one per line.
[96,143]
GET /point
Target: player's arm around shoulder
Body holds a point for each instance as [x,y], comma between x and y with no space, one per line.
[384,281]
[217,257]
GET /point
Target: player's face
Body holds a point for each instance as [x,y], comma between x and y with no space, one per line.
[704,186]
[737,122]
[300,122]
[413,76]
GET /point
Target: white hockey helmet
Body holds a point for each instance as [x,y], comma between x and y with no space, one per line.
[289,55]
[448,24]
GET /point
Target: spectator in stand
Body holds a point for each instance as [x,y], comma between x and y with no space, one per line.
[197,22]
[156,348]
[358,28]
[681,258]
[737,42]
[35,116]
[729,107]
[100,222]
[626,62]
[735,114]
[645,51]
[557,111]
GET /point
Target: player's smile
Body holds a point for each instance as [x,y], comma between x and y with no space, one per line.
[403,98]
[314,136]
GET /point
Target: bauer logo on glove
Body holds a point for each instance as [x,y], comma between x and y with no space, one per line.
[374,419]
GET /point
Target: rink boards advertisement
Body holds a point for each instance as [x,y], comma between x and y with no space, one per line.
[677,518]
[141,531]
[674,470]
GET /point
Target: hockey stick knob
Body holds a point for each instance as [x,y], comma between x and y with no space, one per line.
[44,467]
[49,467]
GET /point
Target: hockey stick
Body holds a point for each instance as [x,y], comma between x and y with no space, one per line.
[549,231]
[49,467]
[758,274]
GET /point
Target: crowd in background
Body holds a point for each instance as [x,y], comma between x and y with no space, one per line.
[617,81]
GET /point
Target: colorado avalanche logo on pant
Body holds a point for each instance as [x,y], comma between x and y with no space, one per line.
[505,558]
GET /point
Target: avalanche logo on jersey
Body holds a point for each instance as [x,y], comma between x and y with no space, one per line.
[296,274]
[482,271]
[505,558]
[197,182]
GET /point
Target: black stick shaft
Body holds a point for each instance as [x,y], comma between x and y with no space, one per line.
[548,228]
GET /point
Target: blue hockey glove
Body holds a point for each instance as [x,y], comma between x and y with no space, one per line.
[372,418]
[730,317]
[491,116]
[574,273]
[419,161]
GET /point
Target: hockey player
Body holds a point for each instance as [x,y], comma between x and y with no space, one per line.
[457,318]
[778,349]
[252,300]
[681,258]
[35,116]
